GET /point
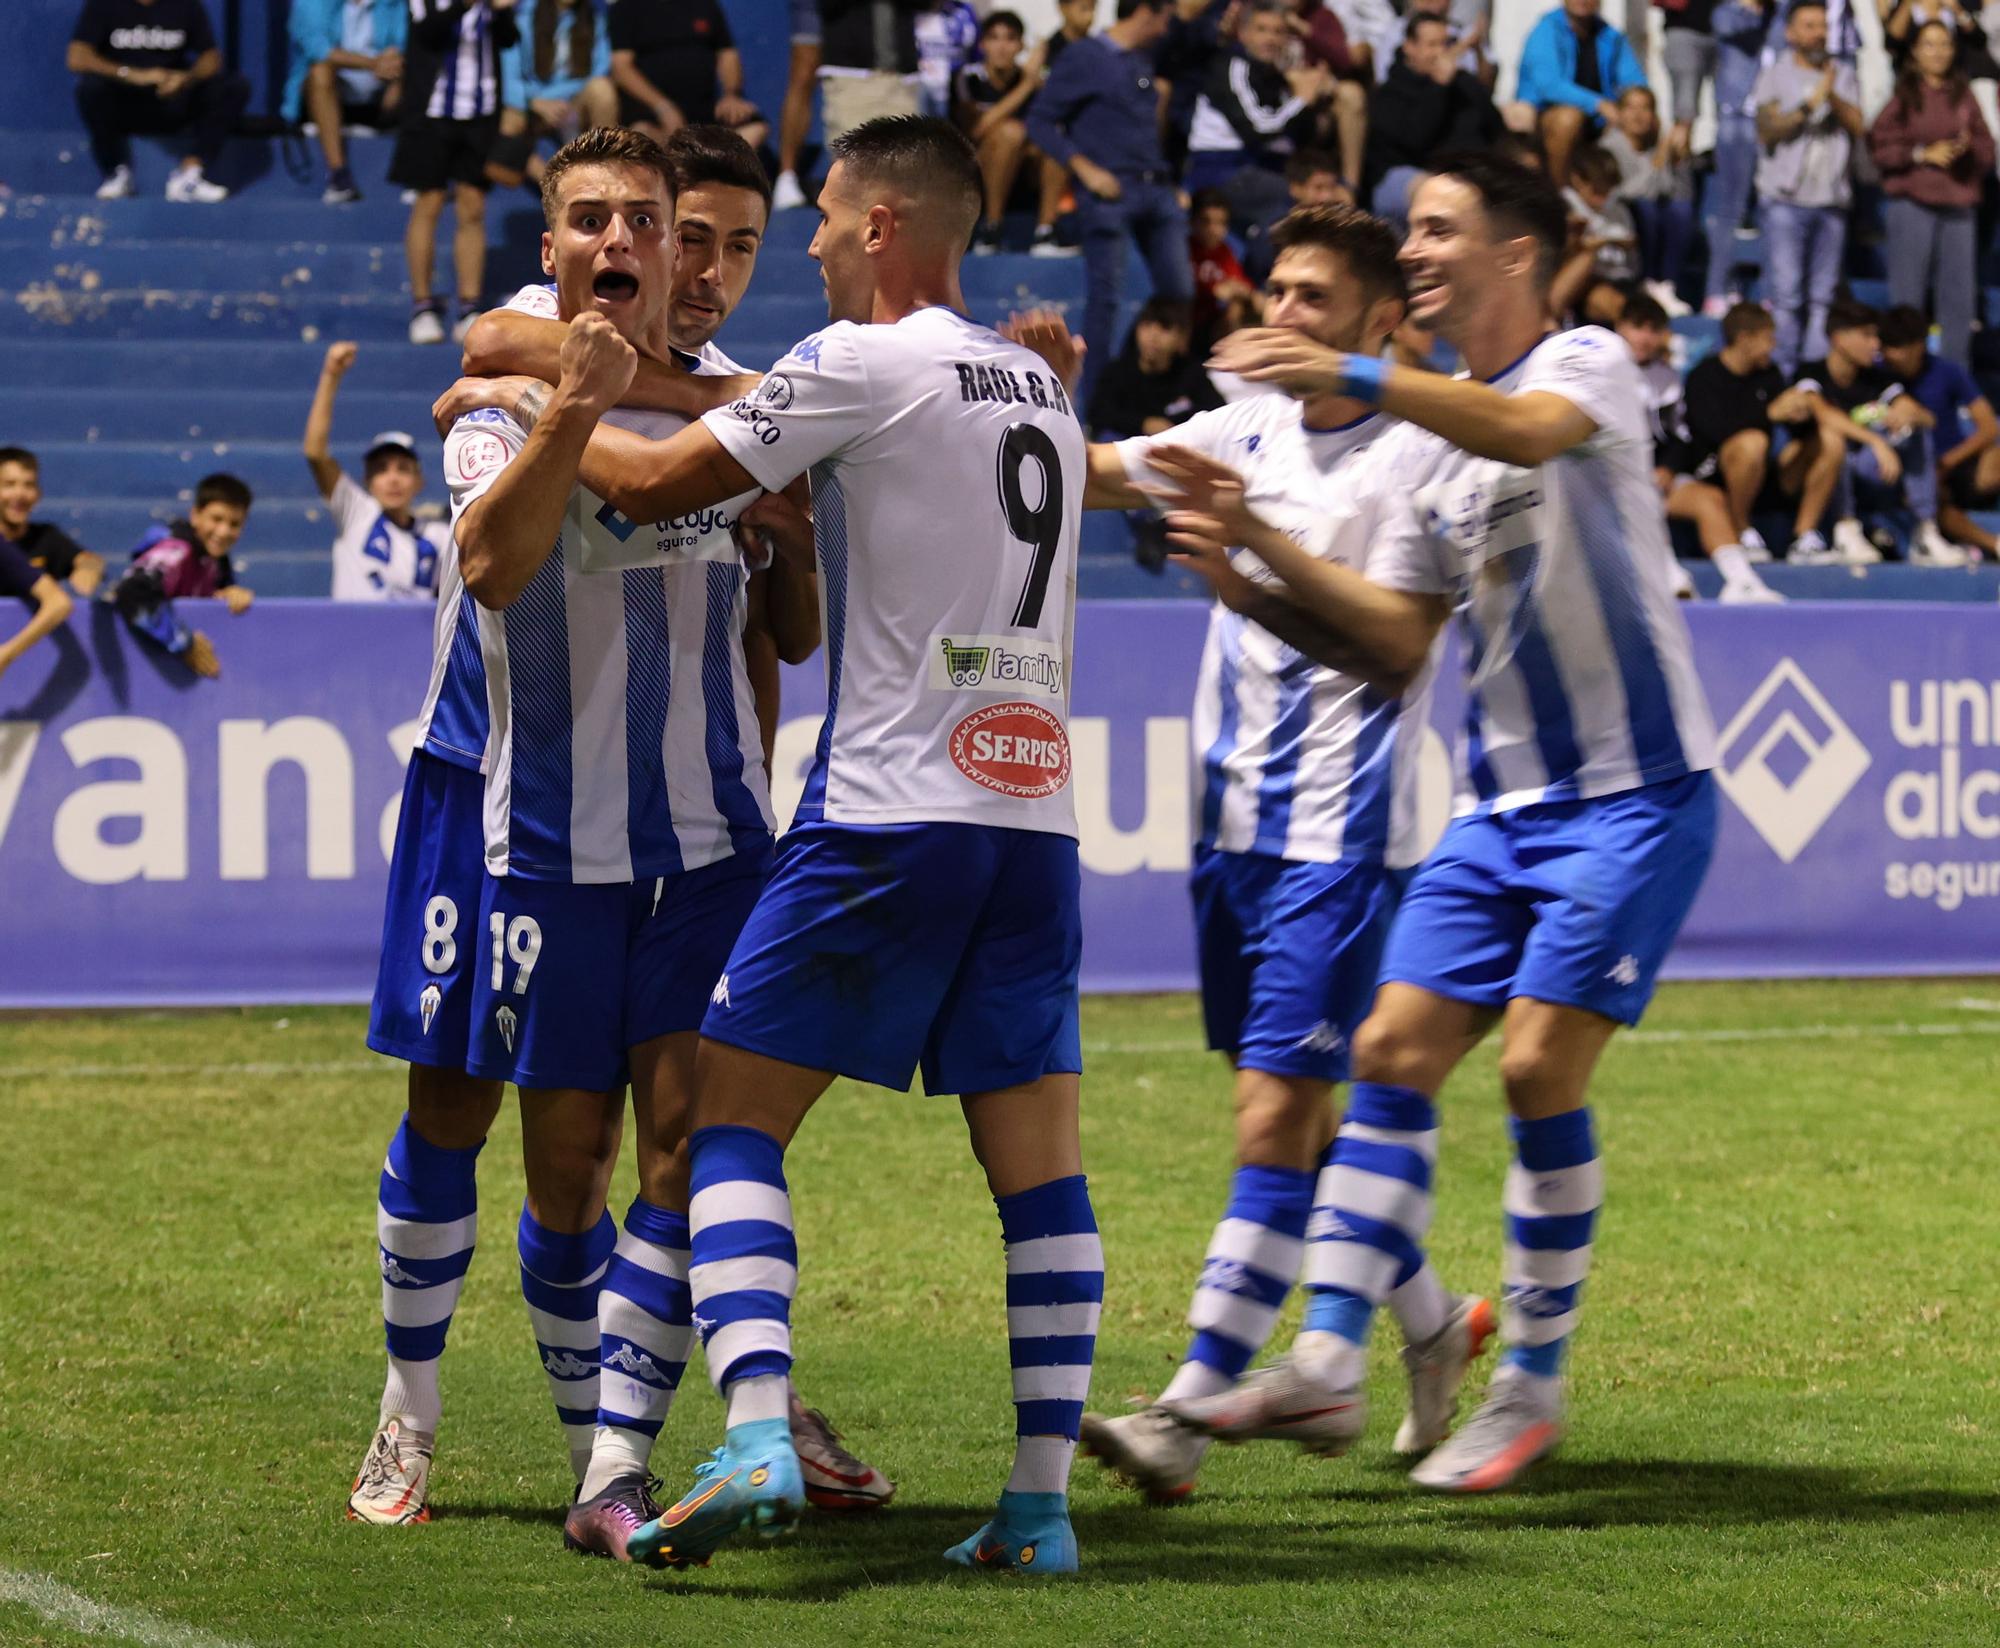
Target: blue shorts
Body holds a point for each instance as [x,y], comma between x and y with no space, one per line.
[1288,953]
[574,976]
[879,948]
[1570,902]
[430,925]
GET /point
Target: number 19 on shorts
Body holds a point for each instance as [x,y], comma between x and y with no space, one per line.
[518,940]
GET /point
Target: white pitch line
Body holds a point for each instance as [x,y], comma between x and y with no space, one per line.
[1976,1004]
[250,1067]
[58,1605]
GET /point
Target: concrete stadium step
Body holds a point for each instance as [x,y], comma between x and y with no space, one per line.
[43,162]
[293,523]
[196,367]
[91,415]
[152,470]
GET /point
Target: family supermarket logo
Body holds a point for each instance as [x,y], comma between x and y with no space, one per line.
[1788,760]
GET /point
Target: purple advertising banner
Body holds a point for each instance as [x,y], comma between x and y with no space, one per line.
[165,840]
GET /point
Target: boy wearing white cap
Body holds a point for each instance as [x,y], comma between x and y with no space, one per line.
[382,552]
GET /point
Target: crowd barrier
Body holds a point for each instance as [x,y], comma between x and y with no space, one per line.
[171,841]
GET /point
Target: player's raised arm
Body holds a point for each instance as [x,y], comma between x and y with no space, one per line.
[1106,485]
[1522,429]
[511,342]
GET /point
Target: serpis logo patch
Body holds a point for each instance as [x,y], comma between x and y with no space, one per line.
[1016,749]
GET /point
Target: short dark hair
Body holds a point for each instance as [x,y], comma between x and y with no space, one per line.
[222,489]
[1847,314]
[1172,313]
[1127,7]
[1596,167]
[604,146]
[22,456]
[374,462]
[1744,319]
[1899,326]
[923,156]
[1002,19]
[1204,199]
[1310,163]
[1365,244]
[715,154]
[1643,309]
[1518,201]
[1417,19]
[1798,6]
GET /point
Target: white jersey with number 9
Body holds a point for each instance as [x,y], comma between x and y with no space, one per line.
[947,480]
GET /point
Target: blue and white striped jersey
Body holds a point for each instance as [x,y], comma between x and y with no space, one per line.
[1580,674]
[623,741]
[454,723]
[468,75]
[1297,760]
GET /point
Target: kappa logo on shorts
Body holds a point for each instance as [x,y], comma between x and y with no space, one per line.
[428,1004]
[719,996]
[1322,1038]
[1625,971]
[505,1022]
[1014,749]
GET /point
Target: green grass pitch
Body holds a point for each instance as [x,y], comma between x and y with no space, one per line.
[1785,1406]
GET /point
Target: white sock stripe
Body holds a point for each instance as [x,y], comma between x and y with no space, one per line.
[661,1261]
[1258,1246]
[407,1239]
[753,1272]
[1375,1196]
[1519,1328]
[1055,1253]
[1546,1267]
[1052,1321]
[1425,1144]
[733,1341]
[1063,1382]
[1549,1267]
[561,1332]
[739,1199]
[419,1307]
[1247,1321]
[629,1320]
[1564,1190]
[1358,1269]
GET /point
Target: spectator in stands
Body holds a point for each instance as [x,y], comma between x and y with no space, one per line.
[38,590]
[1902,20]
[1367,24]
[1808,117]
[989,96]
[560,71]
[451,121]
[1609,232]
[1732,407]
[1224,298]
[1253,114]
[1659,189]
[1739,28]
[1078,17]
[1156,382]
[1099,115]
[1649,336]
[1200,34]
[48,548]
[1573,66]
[187,560]
[346,70]
[153,67]
[1965,433]
[1312,178]
[947,31]
[676,64]
[1426,105]
[1931,145]
[867,61]
[1688,47]
[795,118]
[1886,435]
[381,551]
[1466,24]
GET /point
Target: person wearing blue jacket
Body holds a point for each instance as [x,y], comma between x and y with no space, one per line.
[555,82]
[1573,66]
[346,67]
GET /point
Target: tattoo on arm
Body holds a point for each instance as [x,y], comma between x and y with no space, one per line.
[530,405]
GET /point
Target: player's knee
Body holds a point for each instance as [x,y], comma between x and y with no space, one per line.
[663,1175]
[450,1109]
[1385,1052]
[1281,1121]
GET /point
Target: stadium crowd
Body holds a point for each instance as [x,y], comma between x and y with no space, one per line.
[1792,420]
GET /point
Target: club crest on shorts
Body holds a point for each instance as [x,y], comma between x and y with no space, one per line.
[428,1004]
[505,1022]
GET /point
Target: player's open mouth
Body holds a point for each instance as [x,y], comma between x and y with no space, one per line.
[615,286]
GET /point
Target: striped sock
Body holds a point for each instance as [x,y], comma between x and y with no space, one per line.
[745,1268]
[560,1276]
[645,1328]
[426,1219]
[1253,1259]
[1055,1289]
[1554,1190]
[1370,1215]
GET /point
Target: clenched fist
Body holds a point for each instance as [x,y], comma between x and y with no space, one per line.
[597,363]
[338,359]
